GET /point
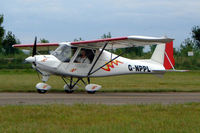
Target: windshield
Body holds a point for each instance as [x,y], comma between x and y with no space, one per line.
[64,53]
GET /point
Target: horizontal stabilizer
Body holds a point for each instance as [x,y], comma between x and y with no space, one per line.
[163,71]
[160,73]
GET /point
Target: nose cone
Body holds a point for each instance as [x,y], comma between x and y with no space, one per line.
[30,59]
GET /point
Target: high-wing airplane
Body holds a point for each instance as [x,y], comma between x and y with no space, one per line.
[76,61]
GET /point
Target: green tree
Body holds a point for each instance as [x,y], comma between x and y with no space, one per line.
[196,36]
[43,40]
[79,39]
[7,43]
[191,44]
[2,31]
[134,51]
[128,52]
[106,35]
[152,48]
[187,45]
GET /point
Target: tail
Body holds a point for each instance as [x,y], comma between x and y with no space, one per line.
[163,54]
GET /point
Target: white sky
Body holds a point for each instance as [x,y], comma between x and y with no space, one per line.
[63,20]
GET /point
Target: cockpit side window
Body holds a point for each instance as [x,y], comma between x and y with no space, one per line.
[85,56]
[64,53]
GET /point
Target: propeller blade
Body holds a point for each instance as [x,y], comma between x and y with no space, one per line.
[34,47]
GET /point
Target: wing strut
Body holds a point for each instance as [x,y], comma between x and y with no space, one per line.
[89,73]
[107,63]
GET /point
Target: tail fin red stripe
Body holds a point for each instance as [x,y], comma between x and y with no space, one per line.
[169,52]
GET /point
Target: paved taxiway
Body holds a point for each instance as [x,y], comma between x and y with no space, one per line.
[99,98]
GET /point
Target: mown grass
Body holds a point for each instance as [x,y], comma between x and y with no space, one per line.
[83,118]
[25,81]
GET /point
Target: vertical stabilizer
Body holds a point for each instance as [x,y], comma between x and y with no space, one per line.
[163,54]
[158,54]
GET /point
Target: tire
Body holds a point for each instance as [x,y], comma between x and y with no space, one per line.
[41,91]
[69,91]
[91,92]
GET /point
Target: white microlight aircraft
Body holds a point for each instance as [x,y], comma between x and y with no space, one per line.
[86,59]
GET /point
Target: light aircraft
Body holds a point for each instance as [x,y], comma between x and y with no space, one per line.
[74,61]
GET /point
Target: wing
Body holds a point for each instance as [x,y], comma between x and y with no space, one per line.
[122,42]
[40,46]
[113,43]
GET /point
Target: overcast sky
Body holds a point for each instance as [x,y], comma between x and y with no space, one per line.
[62,20]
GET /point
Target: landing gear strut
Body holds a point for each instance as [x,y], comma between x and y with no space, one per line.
[71,86]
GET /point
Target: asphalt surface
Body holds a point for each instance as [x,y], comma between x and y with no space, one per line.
[98,98]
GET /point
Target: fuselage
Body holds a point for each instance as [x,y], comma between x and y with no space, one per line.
[51,65]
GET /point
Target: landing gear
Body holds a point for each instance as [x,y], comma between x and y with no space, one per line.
[69,88]
[42,87]
[69,91]
[72,86]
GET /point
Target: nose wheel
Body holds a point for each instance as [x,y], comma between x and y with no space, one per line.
[42,87]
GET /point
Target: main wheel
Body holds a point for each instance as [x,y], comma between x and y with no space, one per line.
[69,91]
[91,92]
[41,91]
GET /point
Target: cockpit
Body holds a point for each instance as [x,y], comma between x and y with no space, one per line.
[66,53]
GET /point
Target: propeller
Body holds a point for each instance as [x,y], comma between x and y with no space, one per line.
[33,54]
[32,59]
[34,51]
[34,47]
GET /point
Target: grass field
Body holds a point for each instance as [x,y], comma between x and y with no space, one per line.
[25,81]
[79,118]
[84,118]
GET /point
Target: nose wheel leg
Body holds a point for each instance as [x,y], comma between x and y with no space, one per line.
[43,87]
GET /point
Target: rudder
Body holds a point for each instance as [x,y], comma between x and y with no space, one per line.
[163,54]
[169,61]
